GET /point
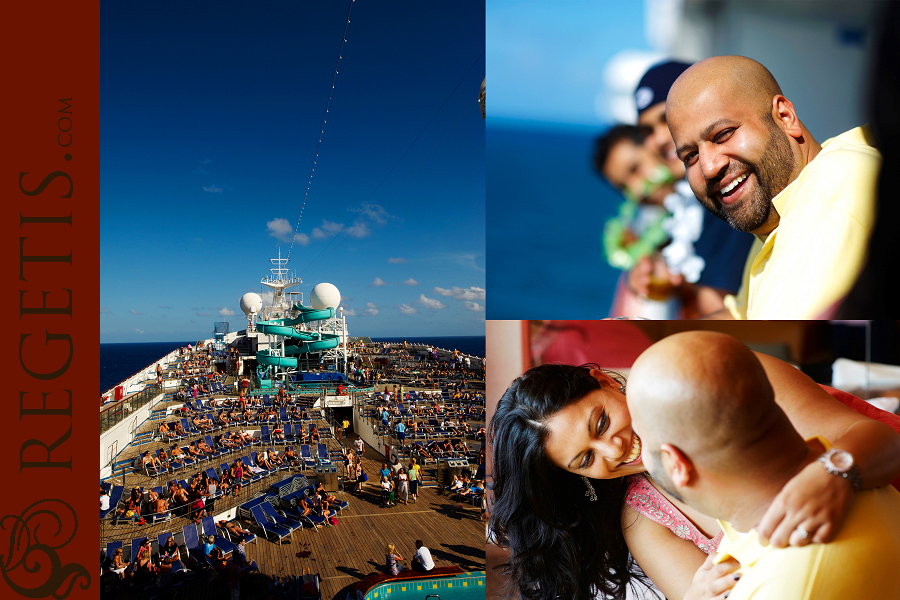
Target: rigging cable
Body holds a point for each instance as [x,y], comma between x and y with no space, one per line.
[347,231]
[322,130]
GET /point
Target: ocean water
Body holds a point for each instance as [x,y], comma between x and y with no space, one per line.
[546,213]
[120,361]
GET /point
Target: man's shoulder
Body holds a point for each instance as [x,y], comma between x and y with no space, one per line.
[860,562]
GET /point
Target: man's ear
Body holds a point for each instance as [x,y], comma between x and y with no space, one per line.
[677,465]
[784,114]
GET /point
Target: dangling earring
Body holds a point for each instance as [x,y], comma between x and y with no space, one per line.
[590,493]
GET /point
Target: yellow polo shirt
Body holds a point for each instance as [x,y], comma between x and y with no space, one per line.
[862,562]
[812,259]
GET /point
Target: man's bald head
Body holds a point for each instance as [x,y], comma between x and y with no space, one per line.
[741,78]
[703,392]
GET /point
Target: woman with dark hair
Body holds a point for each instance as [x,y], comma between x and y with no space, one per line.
[571,500]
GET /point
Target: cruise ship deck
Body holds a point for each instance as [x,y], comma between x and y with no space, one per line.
[342,555]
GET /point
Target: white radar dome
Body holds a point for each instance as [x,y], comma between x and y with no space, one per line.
[324,295]
[251,303]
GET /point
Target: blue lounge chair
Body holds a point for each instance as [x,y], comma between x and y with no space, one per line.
[279,519]
[111,548]
[115,496]
[308,460]
[209,528]
[192,543]
[269,528]
[161,540]
[324,457]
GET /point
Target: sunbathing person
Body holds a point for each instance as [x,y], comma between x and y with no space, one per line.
[163,458]
[305,509]
[291,457]
[435,448]
[221,419]
[159,505]
[244,471]
[278,435]
[274,458]
[421,451]
[320,490]
[314,434]
[319,506]
[262,461]
[204,447]
[177,455]
[164,431]
[192,450]
[150,461]
[233,528]
[132,507]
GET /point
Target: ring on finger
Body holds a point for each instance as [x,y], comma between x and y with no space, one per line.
[802,533]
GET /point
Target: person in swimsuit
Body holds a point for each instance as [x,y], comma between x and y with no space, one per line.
[563,449]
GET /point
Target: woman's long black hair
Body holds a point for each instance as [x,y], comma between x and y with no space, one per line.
[562,544]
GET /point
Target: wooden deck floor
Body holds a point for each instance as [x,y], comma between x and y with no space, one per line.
[354,549]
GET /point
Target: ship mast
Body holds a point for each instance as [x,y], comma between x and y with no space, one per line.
[278,281]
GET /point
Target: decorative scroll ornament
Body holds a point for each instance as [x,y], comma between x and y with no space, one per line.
[31,566]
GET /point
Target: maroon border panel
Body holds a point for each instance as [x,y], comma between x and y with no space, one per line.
[50,182]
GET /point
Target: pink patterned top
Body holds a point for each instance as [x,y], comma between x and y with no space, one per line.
[646,499]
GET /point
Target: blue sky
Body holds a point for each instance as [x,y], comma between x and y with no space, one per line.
[547,58]
[210,117]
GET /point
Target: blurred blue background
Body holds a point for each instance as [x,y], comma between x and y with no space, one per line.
[560,73]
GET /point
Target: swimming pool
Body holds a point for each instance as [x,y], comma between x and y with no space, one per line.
[461,587]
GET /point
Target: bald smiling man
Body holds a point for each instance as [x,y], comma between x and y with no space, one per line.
[752,162]
[715,438]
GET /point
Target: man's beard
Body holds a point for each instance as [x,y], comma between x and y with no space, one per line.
[773,174]
[661,478]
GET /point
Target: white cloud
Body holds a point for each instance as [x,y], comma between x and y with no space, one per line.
[406,309]
[430,302]
[226,312]
[139,331]
[371,309]
[359,230]
[377,283]
[349,312]
[280,229]
[302,239]
[375,213]
[397,260]
[105,311]
[410,281]
[457,293]
[474,306]
[213,189]
[327,230]
[134,312]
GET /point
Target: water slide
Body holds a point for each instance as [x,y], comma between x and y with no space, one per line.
[311,342]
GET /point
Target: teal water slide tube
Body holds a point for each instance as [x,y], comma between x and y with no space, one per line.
[311,342]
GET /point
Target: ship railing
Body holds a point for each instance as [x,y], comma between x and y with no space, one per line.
[116,412]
